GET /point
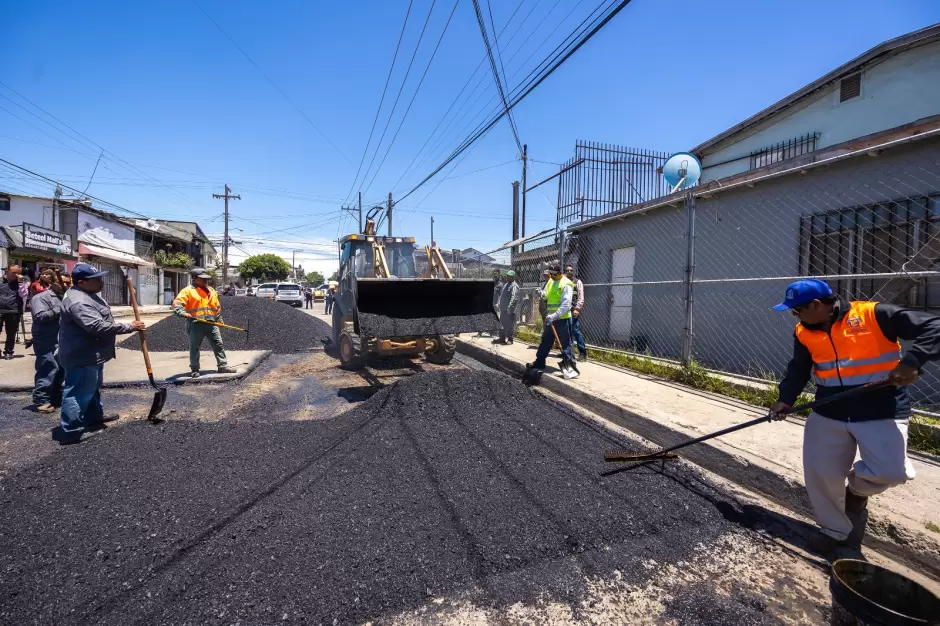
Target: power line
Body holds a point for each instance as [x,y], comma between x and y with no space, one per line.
[524,90]
[414,96]
[495,70]
[381,102]
[272,83]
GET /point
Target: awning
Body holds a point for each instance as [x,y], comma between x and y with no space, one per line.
[109,253]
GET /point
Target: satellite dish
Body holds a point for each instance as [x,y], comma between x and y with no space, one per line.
[682,170]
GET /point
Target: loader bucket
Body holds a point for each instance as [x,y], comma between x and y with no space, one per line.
[421,307]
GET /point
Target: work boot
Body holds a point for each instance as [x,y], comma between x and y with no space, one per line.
[195,374]
[582,357]
[45,408]
[856,509]
[226,369]
[824,545]
[509,340]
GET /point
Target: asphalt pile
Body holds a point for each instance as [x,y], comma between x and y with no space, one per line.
[384,326]
[271,326]
[442,483]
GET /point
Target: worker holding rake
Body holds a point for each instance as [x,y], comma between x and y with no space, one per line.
[198,302]
[558,298]
[845,345]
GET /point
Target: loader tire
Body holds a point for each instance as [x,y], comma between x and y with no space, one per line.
[446,347]
[351,356]
[337,327]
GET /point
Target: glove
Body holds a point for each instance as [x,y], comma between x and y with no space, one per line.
[550,319]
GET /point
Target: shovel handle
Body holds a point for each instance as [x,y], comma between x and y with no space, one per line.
[143,337]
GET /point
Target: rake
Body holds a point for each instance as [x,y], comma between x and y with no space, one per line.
[622,456]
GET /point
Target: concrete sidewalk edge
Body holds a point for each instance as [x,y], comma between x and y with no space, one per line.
[915,549]
[176,379]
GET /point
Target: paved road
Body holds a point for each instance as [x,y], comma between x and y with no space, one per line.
[409,493]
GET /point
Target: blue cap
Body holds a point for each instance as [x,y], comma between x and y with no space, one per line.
[83,271]
[803,291]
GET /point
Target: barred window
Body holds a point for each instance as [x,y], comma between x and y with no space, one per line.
[875,239]
[784,150]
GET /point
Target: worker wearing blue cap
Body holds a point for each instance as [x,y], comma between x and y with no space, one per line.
[842,345]
[87,332]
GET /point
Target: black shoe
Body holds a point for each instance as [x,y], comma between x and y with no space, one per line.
[582,357]
[856,509]
[194,374]
[226,369]
[534,366]
[509,340]
[8,357]
[110,418]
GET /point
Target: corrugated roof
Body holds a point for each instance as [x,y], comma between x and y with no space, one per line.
[890,47]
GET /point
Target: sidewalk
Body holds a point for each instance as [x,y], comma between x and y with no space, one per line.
[766,458]
[128,368]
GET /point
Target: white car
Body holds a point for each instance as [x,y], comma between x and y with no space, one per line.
[266,290]
[291,293]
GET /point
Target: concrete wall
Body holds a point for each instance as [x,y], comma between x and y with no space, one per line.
[897,91]
[36,211]
[747,232]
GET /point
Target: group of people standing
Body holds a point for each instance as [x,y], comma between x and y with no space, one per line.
[561,304]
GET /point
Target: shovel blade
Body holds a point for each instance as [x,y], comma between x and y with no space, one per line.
[159,399]
[567,370]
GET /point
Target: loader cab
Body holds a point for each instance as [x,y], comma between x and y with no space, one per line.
[357,257]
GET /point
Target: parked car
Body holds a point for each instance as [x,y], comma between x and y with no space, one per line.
[241,292]
[266,290]
[290,293]
[319,293]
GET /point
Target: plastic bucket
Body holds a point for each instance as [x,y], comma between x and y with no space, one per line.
[867,595]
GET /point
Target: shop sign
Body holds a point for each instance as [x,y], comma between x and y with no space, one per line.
[46,239]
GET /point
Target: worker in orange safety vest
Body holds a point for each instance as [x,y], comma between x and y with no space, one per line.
[843,345]
[199,301]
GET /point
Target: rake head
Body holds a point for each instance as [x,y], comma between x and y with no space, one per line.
[619,456]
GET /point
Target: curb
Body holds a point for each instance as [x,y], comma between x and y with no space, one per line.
[175,380]
[917,550]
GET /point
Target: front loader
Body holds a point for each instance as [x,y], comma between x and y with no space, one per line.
[383,307]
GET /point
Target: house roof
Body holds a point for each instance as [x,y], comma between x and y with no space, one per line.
[190,227]
[887,48]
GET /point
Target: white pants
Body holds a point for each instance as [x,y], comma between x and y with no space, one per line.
[829,448]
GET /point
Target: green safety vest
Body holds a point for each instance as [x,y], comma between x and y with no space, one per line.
[553,295]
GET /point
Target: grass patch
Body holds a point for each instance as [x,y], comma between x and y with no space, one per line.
[923,419]
[932,527]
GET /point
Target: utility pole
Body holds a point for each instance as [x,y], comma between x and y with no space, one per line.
[389,213]
[360,211]
[525,166]
[293,263]
[515,214]
[432,230]
[226,197]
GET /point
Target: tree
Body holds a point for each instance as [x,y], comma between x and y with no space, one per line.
[315,278]
[264,267]
[335,276]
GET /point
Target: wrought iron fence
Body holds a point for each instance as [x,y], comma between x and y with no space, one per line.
[693,276]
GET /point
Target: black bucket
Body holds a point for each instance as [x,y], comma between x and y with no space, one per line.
[867,595]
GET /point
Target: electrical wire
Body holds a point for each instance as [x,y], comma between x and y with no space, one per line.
[495,70]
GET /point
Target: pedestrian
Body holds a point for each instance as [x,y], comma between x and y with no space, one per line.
[45,308]
[46,278]
[329,298]
[576,310]
[12,304]
[199,301]
[308,297]
[507,309]
[86,342]
[843,345]
[558,294]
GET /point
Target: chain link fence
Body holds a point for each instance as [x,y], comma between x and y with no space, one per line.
[692,276]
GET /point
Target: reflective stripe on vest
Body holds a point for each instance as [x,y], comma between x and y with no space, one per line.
[858,352]
[553,294]
[201,306]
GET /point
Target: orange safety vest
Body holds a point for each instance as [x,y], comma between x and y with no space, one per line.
[199,303]
[853,352]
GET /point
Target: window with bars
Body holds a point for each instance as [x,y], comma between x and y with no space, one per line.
[784,150]
[872,239]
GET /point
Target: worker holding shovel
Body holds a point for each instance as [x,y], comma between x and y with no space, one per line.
[198,302]
[558,294]
[845,345]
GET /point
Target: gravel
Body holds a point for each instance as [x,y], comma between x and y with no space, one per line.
[272,326]
[383,326]
[440,484]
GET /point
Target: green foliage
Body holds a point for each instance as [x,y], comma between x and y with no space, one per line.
[264,267]
[181,260]
[932,527]
[315,278]
[335,276]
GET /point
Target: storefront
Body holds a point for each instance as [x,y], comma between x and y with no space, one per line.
[119,265]
[35,248]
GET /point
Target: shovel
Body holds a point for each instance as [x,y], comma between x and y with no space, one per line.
[247,331]
[613,456]
[159,398]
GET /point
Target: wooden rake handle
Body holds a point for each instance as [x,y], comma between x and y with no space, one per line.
[143,336]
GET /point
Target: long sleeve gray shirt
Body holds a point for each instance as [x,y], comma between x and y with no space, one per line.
[87,330]
[45,308]
[508,297]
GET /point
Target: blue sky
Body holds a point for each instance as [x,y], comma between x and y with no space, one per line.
[180,110]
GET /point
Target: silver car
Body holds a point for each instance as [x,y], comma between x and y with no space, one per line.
[266,290]
[290,293]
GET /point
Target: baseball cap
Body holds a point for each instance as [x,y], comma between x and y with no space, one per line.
[803,291]
[198,272]
[83,271]
[510,273]
[554,269]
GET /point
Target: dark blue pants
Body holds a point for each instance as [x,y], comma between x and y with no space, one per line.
[576,335]
[81,402]
[49,375]
[548,340]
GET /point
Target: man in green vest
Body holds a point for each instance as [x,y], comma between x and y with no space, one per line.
[558,294]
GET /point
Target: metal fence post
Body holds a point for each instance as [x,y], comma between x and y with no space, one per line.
[689,277]
[562,236]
